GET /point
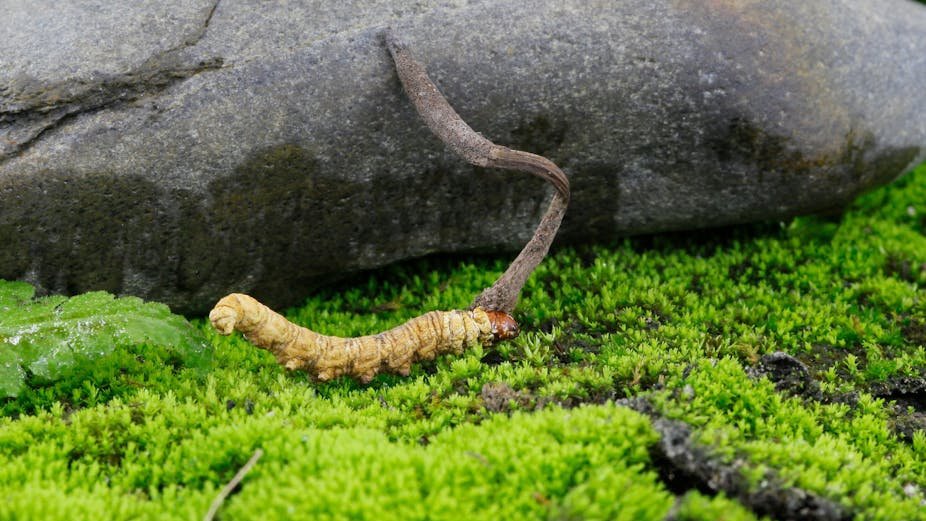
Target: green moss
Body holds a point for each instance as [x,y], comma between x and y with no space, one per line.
[831,449]
[696,506]
[526,430]
[88,348]
[159,454]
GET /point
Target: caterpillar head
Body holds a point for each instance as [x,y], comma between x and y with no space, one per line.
[504,326]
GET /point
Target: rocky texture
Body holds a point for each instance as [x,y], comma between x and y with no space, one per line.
[685,465]
[790,375]
[182,150]
[908,397]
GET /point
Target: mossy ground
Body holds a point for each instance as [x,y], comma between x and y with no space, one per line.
[531,429]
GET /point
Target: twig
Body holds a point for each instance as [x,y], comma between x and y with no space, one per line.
[447,125]
[242,472]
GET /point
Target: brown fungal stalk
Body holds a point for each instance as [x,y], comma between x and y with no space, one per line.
[489,318]
[447,125]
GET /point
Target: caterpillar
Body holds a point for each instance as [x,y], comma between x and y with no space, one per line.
[489,318]
[392,351]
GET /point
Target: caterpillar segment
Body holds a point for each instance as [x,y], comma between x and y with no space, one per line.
[393,351]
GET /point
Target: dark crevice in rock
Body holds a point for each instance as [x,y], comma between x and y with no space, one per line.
[684,465]
[29,108]
[208,20]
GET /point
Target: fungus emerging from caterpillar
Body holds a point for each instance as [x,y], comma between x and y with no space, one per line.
[489,318]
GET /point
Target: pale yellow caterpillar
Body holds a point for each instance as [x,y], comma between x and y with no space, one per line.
[434,333]
[392,351]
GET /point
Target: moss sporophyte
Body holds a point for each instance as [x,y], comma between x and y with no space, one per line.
[489,318]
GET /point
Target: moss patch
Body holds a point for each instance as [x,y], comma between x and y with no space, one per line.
[687,322]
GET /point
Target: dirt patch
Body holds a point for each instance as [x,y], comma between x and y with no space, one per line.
[575,339]
[905,424]
[822,357]
[914,331]
[793,377]
[493,357]
[901,268]
[907,391]
[790,375]
[500,397]
[571,349]
[908,395]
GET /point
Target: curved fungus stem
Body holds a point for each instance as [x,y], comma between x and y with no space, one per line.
[447,125]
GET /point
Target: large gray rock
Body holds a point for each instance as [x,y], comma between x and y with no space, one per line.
[179,150]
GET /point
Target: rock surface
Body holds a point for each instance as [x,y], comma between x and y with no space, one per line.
[182,150]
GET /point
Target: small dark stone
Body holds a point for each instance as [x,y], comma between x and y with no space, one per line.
[789,375]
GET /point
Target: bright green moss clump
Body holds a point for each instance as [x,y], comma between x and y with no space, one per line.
[507,468]
[78,349]
[530,430]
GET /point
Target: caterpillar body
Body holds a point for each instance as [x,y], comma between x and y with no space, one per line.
[393,351]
